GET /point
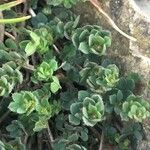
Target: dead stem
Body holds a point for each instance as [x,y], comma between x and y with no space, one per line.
[10,36]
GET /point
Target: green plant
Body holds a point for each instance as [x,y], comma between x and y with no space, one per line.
[57,89]
[89,109]
[45,71]
[135,108]
[91,39]
[66,3]
[9,77]
[23,102]
[40,41]
[93,110]
[98,78]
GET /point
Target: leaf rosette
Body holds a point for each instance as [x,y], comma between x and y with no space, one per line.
[98,78]
[90,109]
[135,108]
[91,39]
[93,110]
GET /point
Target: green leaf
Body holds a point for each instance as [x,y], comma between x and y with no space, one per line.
[84,135]
[41,124]
[11,44]
[112,99]
[74,120]
[83,47]
[74,137]
[30,48]
[119,95]
[55,85]
[82,95]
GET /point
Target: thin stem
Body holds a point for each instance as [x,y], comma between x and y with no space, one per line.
[101,141]
[29,67]
[63,63]
[10,36]
[32,13]
[4,116]
[56,49]
[50,133]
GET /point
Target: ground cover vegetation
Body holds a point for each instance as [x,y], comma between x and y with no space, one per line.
[58,89]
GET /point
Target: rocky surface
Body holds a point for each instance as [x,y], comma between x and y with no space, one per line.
[1,29]
[133,17]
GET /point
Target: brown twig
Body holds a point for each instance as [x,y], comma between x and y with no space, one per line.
[96,4]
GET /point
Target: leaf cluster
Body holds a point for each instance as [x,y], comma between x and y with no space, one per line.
[59,87]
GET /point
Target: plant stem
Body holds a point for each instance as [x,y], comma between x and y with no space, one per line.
[10,36]
[28,66]
[50,133]
[32,13]
[56,49]
[101,141]
[4,116]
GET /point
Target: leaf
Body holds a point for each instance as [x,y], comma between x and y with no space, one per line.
[74,137]
[84,135]
[35,38]
[75,108]
[119,95]
[83,47]
[53,64]
[41,124]
[74,120]
[11,44]
[30,48]
[55,85]
[107,41]
[112,99]
[82,95]
[39,20]
[76,22]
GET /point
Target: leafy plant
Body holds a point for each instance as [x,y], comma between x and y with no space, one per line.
[93,110]
[58,91]
[45,71]
[91,39]
[98,78]
[66,3]
[40,41]
[135,108]
[90,109]
[9,77]
[23,103]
